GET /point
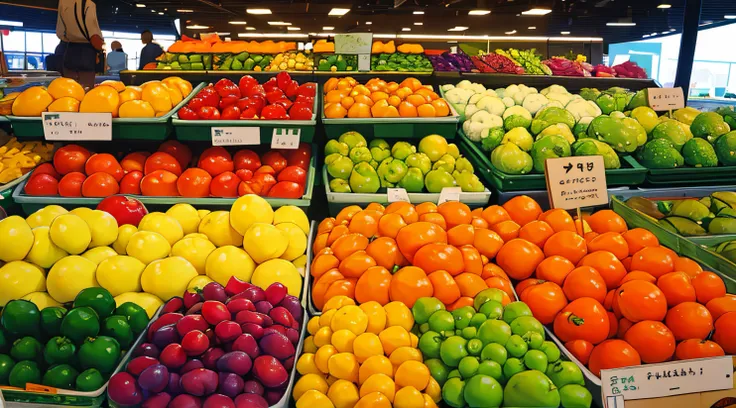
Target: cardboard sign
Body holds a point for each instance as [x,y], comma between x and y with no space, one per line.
[397,194]
[576,182]
[353,43]
[449,194]
[68,126]
[285,138]
[666,379]
[235,136]
[364,62]
[662,99]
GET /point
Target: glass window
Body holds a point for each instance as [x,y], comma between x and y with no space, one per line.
[15,41]
[50,41]
[34,43]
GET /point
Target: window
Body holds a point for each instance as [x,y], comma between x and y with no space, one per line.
[50,41]
[34,43]
[15,41]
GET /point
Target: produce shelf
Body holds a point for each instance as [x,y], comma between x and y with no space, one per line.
[572,84]
[122,128]
[695,176]
[6,192]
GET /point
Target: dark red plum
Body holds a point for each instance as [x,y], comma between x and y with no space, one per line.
[165,319]
[138,364]
[254,294]
[282,316]
[250,401]
[215,312]
[273,396]
[231,384]
[247,316]
[199,382]
[269,371]
[191,298]
[185,401]
[253,387]
[235,286]
[191,365]
[276,328]
[160,400]
[218,401]
[292,304]
[173,356]
[195,309]
[124,390]
[289,363]
[214,291]
[165,335]
[147,349]
[293,336]
[174,387]
[248,344]
[263,307]
[210,357]
[174,305]
[195,343]
[154,378]
[237,305]
[191,322]
[277,345]
[253,329]
[275,293]
[227,331]
[237,362]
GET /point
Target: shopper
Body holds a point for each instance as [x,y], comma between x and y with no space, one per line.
[117,59]
[150,50]
[78,29]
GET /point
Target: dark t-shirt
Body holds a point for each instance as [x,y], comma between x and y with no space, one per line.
[149,54]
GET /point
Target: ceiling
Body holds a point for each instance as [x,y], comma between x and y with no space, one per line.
[579,17]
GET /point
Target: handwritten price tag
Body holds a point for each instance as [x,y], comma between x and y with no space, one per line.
[397,194]
[353,43]
[285,138]
[235,136]
[449,194]
[67,126]
[662,99]
[576,182]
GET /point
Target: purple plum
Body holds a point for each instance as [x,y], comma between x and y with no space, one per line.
[154,378]
[292,335]
[292,304]
[277,345]
[164,320]
[174,305]
[138,364]
[269,371]
[173,356]
[247,343]
[160,400]
[274,396]
[174,384]
[218,401]
[210,357]
[227,331]
[147,349]
[254,294]
[124,390]
[185,401]
[231,384]
[192,298]
[190,323]
[237,362]
[289,363]
[191,365]
[253,387]
[253,329]
[237,305]
[250,401]
[263,307]
[276,328]
[200,382]
[282,316]
[165,336]
[275,293]
[214,291]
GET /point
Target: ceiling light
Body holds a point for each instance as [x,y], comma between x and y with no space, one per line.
[531,28]
[418,12]
[140,5]
[418,23]
[406,29]
[237,22]
[338,11]
[621,24]
[510,32]
[458,28]
[222,34]
[328,28]
[665,32]
[479,12]
[645,36]
[279,23]
[730,17]
[368,22]
[293,28]
[250,28]
[272,35]
[536,12]
[565,32]
[664,6]
[185,11]
[653,34]
[672,30]
[197,27]
[153,11]
[11,23]
[160,13]
[258,11]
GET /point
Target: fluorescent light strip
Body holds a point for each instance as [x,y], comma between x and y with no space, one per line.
[730,17]
[418,23]
[250,28]
[338,11]
[618,24]
[406,29]
[536,12]
[272,35]
[479,12]
[510,32]
[222,34]
[458,28]
[160,13]
[664,6]
[293,28]
[565,32]
[185,11]
[197,27]
[418,13]
[368,22]
[279,23]
[645,36]
[328,28]
[140,5]
[237,22]
[258,11]
[531,28]
[11,23]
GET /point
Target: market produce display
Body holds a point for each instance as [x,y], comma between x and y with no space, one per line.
[152,99]
[17,159]
[345,97]
[449,62]
[337,62]
[357,166]
[76,349]
[6,102]
[711,215]
[224,347]
[172,172]
[279,98]
[363,356]
[147,258]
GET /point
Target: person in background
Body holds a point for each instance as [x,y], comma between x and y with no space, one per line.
[78,29]
[117,59]
[150,50]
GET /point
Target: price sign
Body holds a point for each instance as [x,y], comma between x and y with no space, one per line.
[364,62]
[449,194]
[575,182]
[285,138]
[353,43]
[662,99]
[235,136]
[661,380]
[397,194]
[67,126]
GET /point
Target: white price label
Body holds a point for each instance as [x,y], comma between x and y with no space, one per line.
[449,194]
[285,138]
[397,194]
[236,136]
[67,126]
[662,99]
[364,62]
[576,182]
[353,43]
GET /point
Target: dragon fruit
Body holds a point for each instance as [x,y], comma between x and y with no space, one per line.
[601,70]
[496,63]
[629,69]
[565,67]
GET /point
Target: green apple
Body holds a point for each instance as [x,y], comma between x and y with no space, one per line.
[386,184]
[463,164]
[383,167]
[446,163]
[380,143]
[469,182]
[395,171]
[380,153]
[452,150]
[402,150]
[436,180]
[353,139]
[360,154]
[420,161]
[373,164]
[434,146]
[338,166]
[339,186]
[333,146]
[413,180]
[364,179]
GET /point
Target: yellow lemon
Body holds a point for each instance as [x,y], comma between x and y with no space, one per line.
[44,216]
[165,225]
[278,270]
[375,365]
[99,254]
[70,233]
[187,217]
[16,239]
[130,93]
[326,318]
[120,274]
[379,383]
[148,246]
[248,210]
[344,394]
[101,99]
[167,277]
[44,253]
[174,94]
[350,317]
[343,340]
[313,325]
[64,104]
[297,244]
[42,300]
[102,226]
[32,102]
[394,337]
[376,316]
[18,279]
[374,400]
[119,86]
[124,233]
[309,346]
[292,214]
[412,373]
[136,109]
[158,96]
[434,390]
[203,213]
[314,399]
[321,357]
[301,264]
[66,87]
[398,314]
[408,397]
[216,225]
[196,251]
[305,365]
[429,402]
[402,354]
[199,282]
[145,300]
[344,366]
[367,345]
[337,302]
[264,241]
[228,261]
[310,382]
[69,276]
[196,235]
[323,336]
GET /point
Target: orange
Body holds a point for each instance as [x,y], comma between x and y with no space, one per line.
[379,108]
[455,213]
[605,221]
[688,266]
[360,90]
[407,110]
[345,84]
[440,107]
[708,286]
[403,92]
[335,96]
[390,112]
[558,219]
[392,86]
[366,100]
[331,84]
[61,87]
[103,98]
[426,111]
[416,99]
[335,111]
[394,100]
[639,238]
[566,244]
[155,94]
[655,260]
[519,258]
[495,214]
[184,86]
[426,207]
[612,242]
[64,104]
[117,85]
[347,102]
[412,83]
[507,230]
[174,94]
[130,93]
[427,93]
[378,96]
[32,102]
[136,109]
[536,232]
[522,209]
[463,234]
[554,269]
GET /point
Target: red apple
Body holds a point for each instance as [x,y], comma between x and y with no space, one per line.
[126,210]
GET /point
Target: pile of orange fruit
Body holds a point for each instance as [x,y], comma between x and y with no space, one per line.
[345,97]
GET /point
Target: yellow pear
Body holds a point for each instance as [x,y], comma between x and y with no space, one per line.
[186,215]
[124,233]
[264,242]
[120,274]
[278,270]
[250,209]
[44,253]
[99,254]
[199,282]
[69,276]
[216,225]
[42,300]
[18,279]
[147,246]
[16,239]
[145,300]
[44,216]
[165,225]
[102,225]
[194,250]
[297,241]
[70,233]
[167,277]
[228,261]
[293,214]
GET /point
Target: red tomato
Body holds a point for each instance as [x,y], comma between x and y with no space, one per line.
[286,189]
[47,168]
[266,170]
[216,160]
[225,185]
[293,173]
[265,180]
[70,158]
[249,187]
[244,174]
[134,161]
[307,89]
[194,182]
[42,185]
[208,113]
[160,183]
[247,159]
[162,161]
[71,184]
[228,101]
[131,183]
[300,111]
[100,184]
[274,159]
[105,163]
[275,111]
[299,157]
[246,83]
[189,112]
[230,113]
[208,97]
[181,152]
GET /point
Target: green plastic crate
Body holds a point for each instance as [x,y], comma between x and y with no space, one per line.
[6,193]
[695,176]
[630,174]
[122,128]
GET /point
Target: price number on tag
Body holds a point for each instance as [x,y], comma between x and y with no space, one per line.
[662,99]
[235,136]
[449,194]
[397,194]
[286,138]
[68,126]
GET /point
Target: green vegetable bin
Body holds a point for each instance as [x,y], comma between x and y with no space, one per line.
[202,129]
[6,193]
[696,176]
[122,128]
[31,204]
[630,174]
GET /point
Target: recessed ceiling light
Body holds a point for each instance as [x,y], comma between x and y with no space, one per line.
[338,11]
[418,12]
[250,28]
[531,28]
[620,24]
[458,28]
[536,12]
[293,28]
[279,23]
[406,29]
[237,22]
[328,28]
[418,23]
[185,11]
[197,27]
[140,5]
[479,12]
[510,32]
[258,11]
[368,22]
[160,13]
[565,32]
[730,17]
[153,11]
[222,34]
[672,30]
[664,6]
